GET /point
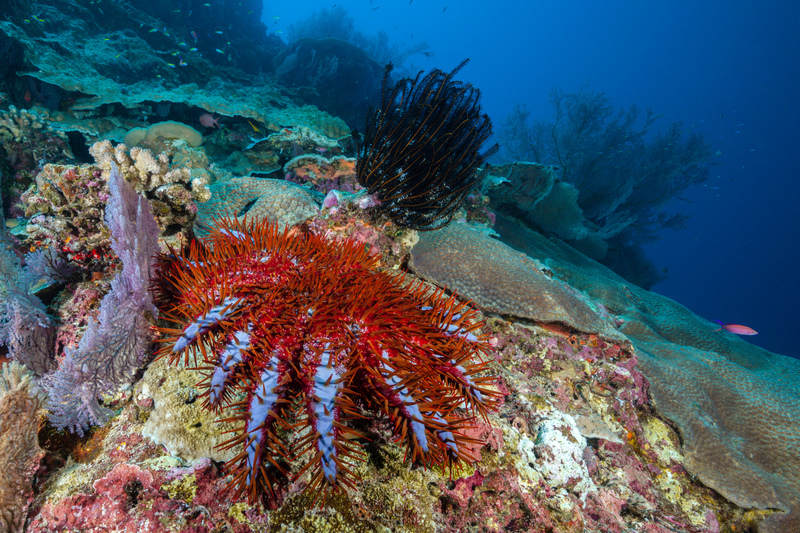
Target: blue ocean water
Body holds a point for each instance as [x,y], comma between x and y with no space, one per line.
[728,69]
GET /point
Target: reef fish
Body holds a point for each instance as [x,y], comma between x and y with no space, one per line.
[209,121]
[737,328]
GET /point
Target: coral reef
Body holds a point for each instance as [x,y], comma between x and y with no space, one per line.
[616,175]
[65,206]
[624,174]
[315,336]
[148,172]
[114,346]
[165,130]
[322,173]
[67,203]
[20,408]
[168,393]
[620,411]
[727,397]
[26,329]
[16,124]
[332,74]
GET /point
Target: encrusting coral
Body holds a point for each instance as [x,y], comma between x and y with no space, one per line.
[316,338]
[502,280]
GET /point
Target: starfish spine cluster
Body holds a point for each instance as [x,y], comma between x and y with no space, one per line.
[305,338]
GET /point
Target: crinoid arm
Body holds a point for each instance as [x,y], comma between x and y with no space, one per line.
[421,150]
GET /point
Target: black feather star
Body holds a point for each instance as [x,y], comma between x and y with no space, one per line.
[421,149]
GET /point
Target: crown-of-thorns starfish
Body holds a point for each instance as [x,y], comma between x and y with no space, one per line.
[304,337]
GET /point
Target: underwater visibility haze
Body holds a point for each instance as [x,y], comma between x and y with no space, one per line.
[726,70]
[407,265]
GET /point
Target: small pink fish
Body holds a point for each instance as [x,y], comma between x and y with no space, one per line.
[194,36]
[208,121]
[737,328]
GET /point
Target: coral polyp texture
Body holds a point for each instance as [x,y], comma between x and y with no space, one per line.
[309,343]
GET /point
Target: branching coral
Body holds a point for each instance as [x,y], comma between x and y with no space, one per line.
[175,180]
[421,149]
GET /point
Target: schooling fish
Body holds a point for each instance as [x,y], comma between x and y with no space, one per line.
[737,328]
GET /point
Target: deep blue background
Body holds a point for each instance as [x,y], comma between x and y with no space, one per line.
[730,69]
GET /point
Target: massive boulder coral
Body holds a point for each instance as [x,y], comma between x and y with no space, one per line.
[257,199]
[502,280]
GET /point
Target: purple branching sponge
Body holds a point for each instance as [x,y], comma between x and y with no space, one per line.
[114,345]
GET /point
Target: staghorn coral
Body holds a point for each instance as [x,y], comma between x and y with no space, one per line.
[421,148]
[257,199]
[316,338]
[20,405]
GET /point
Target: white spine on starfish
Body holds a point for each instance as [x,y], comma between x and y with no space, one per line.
[232,233]
[446,436]
[264,398]
[450,328]
[411,407]
[202,324]
[231,356]
[473,389]
[325,388]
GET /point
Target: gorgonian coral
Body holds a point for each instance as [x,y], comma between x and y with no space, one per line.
[305,338]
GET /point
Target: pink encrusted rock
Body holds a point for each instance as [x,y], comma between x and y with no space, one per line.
[331,199]
[113,506]
[498,503]
[603,508]
[482,432]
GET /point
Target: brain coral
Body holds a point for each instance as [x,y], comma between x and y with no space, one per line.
[736,405]
[258,199]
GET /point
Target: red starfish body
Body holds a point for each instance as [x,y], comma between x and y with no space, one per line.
[315,338]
